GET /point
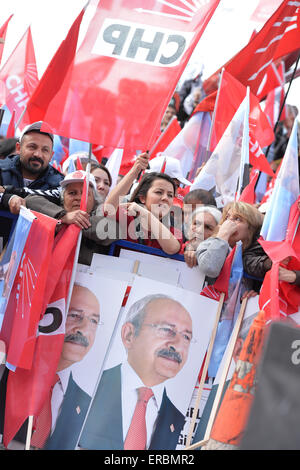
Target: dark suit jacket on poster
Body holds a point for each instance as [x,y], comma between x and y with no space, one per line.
[70,420]
[103,429]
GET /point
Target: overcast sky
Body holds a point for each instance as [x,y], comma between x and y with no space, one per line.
[228,31]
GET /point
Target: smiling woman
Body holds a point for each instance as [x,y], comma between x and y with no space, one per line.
[148,213]
[146,218]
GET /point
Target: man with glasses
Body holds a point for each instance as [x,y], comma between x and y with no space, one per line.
[69,402]
[157,335]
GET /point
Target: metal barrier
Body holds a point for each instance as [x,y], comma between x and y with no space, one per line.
[115,246]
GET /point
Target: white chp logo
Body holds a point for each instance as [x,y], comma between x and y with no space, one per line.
[141,43]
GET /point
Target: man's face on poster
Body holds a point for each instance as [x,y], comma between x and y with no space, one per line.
[81,325]
[160,349]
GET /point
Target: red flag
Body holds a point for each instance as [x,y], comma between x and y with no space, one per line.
[264,10]
[10,133]
[3,31]
[78,164]
[270,186]
[130,61]
[279,299]
[275,99]
[166,137]
[258,159]
[270,81]
[25,303]
[18,77]
[27,389]
[279,36]
[231,95]
[248,194]
[207,104]
[55,74]
[222,282]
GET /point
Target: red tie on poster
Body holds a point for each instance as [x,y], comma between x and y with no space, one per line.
[136,438]
[44,420]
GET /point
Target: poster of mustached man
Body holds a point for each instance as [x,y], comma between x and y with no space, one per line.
[150,370]
[94,309]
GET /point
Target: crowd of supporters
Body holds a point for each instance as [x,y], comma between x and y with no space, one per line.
[151,204]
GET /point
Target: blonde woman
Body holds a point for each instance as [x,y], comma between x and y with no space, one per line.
[240,222]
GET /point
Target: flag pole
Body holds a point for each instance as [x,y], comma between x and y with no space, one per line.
[29,432]
[1,115]
[74,269]
[161,136]
[284,100]
[205,368]
[21,117]
[223,377]
[214,114]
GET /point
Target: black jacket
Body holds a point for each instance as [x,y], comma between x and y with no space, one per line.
[11,175]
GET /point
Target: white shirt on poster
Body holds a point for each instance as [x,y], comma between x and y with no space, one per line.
[130,383]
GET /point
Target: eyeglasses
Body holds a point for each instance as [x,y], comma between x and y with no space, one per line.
[77,318]
[168,332]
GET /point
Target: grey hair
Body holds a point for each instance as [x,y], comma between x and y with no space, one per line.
[98,198]
[211,210]
[137,311]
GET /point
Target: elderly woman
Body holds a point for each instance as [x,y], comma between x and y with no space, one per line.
[203,222]
[97,231]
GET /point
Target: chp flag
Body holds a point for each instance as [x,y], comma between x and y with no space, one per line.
[19,78]
[130,61]
[277,38]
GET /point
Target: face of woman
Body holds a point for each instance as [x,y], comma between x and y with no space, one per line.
[159,198]
[202,226]
[102,181]
[242,228]
[72,197]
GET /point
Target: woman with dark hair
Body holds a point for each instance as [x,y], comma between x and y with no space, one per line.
[103,179]
[147,214]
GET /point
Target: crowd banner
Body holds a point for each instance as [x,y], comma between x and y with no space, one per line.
[223,378]
[117,66]
[204,370]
